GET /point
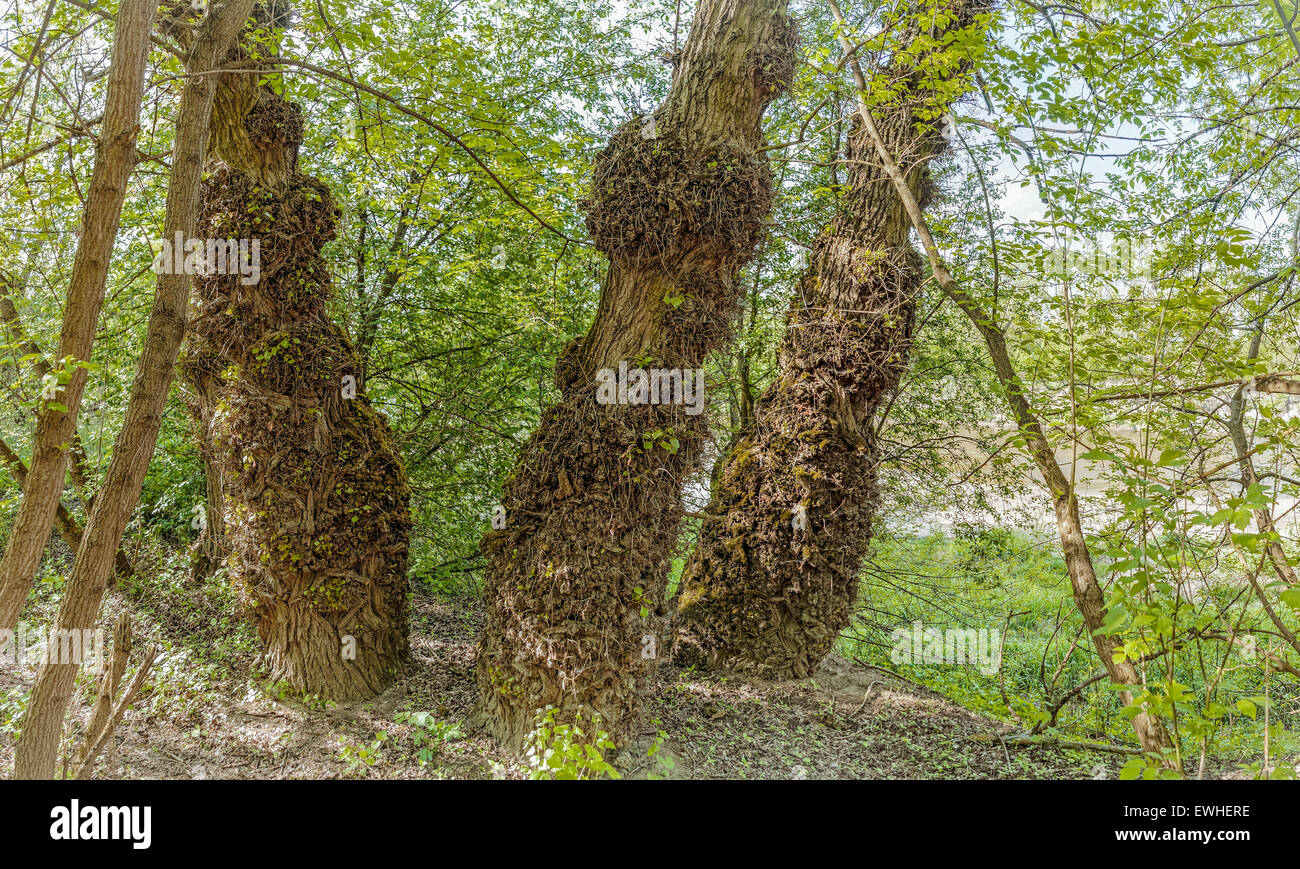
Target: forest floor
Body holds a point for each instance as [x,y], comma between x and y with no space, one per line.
[201,716]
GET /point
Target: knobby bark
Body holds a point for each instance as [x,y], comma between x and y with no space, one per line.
[42,728]
[306,490]
[56,424]
[1088,597]
[576,578]
[774,575]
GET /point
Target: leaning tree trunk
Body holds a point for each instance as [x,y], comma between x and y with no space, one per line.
[576,578]
[37,752]
[56,422]
[314,495]
[774,575]
[1088,595]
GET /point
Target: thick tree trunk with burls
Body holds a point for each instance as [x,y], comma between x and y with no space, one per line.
[42,728]
[576,578]
[311,495]
[774,576]
[56,427]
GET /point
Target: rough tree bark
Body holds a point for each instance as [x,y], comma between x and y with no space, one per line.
[576,578]
[56,427]
[1088,597]
[774,576]
[307,488]
[37,752]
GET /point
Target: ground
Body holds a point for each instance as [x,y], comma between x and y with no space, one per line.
[202,716]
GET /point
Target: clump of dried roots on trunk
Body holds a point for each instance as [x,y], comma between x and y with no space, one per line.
[576,578]
[774,575]
[772,580]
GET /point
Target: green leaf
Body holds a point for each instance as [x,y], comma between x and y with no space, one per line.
[1291,597]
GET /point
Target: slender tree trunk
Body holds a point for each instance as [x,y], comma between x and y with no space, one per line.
[1277,556]
[305,487]
[211,549]
[38,748]
[1088,597]
[56,424]
[67,524]
[1237,429]
[69,528]
[774,576]
[576,578]
[77,464]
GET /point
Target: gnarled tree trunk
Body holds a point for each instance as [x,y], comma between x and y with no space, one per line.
[774,575]
[576,578]
[313,495]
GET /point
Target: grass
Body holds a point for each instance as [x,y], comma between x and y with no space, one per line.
[1016,585]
